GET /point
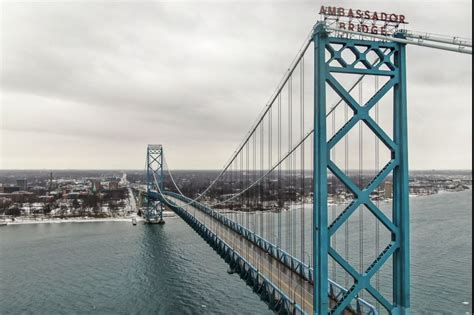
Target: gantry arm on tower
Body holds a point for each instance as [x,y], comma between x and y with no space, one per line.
[453,44]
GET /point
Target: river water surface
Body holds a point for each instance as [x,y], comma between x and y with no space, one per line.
[117,268]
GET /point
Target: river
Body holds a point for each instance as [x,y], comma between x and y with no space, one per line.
[117,268]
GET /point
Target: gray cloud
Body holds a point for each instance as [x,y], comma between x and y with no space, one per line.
[111,77]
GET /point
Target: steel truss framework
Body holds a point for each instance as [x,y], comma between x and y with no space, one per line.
[276,300]
[336,291]
[392,65]
[154,171]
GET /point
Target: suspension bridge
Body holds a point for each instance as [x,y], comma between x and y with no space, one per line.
[312,209]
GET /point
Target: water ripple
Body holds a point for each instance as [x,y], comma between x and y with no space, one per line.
[116,268]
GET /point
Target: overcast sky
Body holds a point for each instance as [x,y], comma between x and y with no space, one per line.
[88,84]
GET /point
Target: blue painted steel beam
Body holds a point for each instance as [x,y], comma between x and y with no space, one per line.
[401,213]
[320,207]
[393,56]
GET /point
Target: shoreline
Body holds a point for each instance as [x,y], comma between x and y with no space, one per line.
[166,214]
[67,220]
[28,221]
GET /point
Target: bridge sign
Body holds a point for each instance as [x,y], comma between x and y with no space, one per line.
[363,21]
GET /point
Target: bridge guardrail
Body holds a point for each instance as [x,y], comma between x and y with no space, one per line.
[268,291]
[303,270]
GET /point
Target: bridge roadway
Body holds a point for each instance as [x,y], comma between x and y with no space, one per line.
[295,287]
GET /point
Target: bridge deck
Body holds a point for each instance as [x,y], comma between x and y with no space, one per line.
[300,290]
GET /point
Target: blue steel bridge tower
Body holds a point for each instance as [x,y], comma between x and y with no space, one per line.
[391,65]
[154,178]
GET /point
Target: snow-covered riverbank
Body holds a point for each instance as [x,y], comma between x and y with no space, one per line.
[42,220]
[19,220]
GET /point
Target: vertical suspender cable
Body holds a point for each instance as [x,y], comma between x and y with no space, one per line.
[333,191]
[279,182]
[295,205]
[290,164]
[254,172]
[361,183]
[287,173]
[270,217]
[279,173]
[311,167]
[290,167]
[377,169]
[246,183]
[241,187]
[346,169]
[232,185]
[302,173]
[262,151]
[248,180]
[302,194]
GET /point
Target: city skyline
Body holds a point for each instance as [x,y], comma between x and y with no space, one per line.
[93,92]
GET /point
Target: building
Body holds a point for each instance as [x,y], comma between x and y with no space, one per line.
[114,185]
[23,184]
[46,199]
[10,189]
[73,195]
[388,190]
[5,202]
[422,189]
[19,196]
[96,186]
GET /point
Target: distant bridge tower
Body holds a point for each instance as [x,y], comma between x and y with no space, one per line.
[154,176]
[330,64]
